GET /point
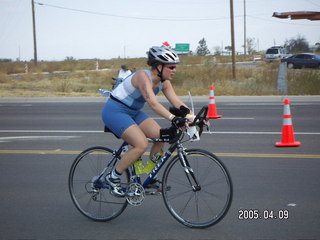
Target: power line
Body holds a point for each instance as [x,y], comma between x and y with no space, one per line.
[131,17]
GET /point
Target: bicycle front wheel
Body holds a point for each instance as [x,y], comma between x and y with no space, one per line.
[200,195]
[93,199]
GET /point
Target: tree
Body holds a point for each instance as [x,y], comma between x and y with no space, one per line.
[70,59]
[299,44]
[202,49]
[228,50]
[5,60]
[217,50]
[251,46]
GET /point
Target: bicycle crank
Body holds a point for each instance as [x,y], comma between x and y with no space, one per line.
[135,194]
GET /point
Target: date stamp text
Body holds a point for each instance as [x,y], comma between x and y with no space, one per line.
[255,214]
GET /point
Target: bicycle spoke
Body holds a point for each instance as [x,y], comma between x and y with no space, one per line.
[209,207]
[213,182]
[178,194]
[197,205]
[87,206]
[216,181]
[221,198]
[205,175]
[81,195]
[185,206]
[180,182]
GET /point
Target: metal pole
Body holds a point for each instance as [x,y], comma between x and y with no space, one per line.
[34,34]
[245,30]
[282,79]
[232,41]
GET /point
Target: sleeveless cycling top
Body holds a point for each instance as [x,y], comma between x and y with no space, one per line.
[131,96]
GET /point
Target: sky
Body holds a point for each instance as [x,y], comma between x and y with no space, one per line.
[106,29]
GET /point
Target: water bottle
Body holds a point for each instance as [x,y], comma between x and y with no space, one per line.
[139,167]
[104,93]
[153,161]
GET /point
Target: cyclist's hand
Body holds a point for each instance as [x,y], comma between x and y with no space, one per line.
[179,122]
[184,110]
[206,122]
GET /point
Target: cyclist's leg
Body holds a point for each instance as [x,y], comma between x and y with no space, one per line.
[152,130]
[137,139]
[121,121]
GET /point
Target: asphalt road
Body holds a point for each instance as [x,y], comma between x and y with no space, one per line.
[39,138]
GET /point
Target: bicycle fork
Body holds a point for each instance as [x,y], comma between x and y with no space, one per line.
[188,169]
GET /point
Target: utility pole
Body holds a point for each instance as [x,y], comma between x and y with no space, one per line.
[232,41]
[245,29]
[34,35]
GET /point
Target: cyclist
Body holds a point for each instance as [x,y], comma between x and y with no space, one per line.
[122,112]
[124,71]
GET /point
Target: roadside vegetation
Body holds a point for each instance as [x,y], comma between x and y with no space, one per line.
[195,74]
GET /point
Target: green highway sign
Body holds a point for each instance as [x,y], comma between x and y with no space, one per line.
[182,47]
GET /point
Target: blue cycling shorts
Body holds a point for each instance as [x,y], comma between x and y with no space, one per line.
[118,117]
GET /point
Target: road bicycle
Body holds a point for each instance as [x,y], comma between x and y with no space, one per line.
[196,185]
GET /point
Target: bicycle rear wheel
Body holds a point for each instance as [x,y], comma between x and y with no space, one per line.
[94,199]
[197,206]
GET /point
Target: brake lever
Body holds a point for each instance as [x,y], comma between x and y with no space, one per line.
[208,128]
[199,116]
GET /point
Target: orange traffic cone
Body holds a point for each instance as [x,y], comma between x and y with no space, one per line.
[212,109]
[287,139]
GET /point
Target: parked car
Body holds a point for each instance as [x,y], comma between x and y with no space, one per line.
[303,60]
[275,53]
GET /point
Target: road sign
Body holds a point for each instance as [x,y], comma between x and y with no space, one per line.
[182,47]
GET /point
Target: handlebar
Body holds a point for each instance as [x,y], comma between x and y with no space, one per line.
[200,118]
[198,121]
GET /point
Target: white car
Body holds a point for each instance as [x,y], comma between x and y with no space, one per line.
[275,53]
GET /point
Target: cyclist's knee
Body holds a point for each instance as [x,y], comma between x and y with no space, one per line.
[144,146]
[141,145]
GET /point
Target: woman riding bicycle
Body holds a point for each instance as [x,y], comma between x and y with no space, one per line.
[122,112]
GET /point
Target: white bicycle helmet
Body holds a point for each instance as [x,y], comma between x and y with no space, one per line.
[162,55]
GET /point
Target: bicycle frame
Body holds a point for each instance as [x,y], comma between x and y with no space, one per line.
[159,165]
[152,174]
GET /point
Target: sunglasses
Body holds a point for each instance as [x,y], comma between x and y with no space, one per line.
[172,67]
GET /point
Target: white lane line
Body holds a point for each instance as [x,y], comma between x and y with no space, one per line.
[50,131]
[230,118]
[28,138]
[101,131]
[267,104]
[263,133]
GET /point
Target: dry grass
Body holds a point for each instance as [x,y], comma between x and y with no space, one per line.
[85,83]
[258,81]
[194,74]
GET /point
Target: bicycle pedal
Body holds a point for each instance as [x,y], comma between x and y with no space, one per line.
[94,190]
[116,195]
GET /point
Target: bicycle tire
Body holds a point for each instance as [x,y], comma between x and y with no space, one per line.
[203,208]
[94,202]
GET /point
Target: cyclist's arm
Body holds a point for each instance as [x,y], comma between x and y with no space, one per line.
[141,80]
[170,94]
